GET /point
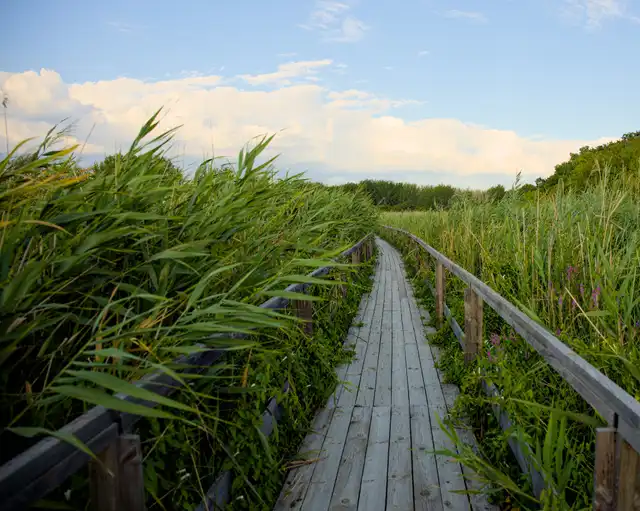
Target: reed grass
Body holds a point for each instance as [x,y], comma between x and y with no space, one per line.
[109,273]
[571,260]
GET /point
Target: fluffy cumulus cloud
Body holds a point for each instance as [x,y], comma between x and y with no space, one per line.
[336,135]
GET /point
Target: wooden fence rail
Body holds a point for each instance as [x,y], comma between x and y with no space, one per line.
[617,470]
[43,467]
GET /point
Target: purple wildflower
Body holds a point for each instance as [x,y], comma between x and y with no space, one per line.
[560,301]
[495,339]
[574,304]
[595,296]
[571,270]
[582,289]
[489,356]
[637,325]
[558,331]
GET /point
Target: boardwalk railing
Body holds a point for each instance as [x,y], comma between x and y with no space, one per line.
[43,467]
[617,462]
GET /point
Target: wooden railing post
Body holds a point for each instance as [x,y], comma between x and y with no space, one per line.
[355,256]
[617,473]
[304,310]
[628,477]
[472,324]
[605,470]
[117,481]
[439,294]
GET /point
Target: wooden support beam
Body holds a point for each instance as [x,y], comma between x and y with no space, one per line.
[355,256]
[472,324]
[132,497]
[440,294]
[304,310]
[628,478]
[605,470]
[117,482]
[103,476]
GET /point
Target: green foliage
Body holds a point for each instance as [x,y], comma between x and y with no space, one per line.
[618,161]
[108,274]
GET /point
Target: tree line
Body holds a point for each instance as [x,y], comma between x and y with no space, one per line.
[618,160]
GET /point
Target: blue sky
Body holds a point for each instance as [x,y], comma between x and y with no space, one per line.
[557,71]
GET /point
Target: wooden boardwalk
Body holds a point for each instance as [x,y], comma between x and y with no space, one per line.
[369,447]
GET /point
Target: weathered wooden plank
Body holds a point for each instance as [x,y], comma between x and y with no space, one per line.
[604,475]
[449,470]
[426,485]
[400,481]
[357,339]
[373,489]
[478,498]
[415,381]
[429,374]
[366,391]
[383,374]
[347,487]
[324,476]
[383,377]
[603,394]
[399,384]
[298,479]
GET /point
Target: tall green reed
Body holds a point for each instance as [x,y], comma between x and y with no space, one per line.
[109,273]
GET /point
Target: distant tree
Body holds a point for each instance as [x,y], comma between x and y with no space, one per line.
[496,193]
[621,157]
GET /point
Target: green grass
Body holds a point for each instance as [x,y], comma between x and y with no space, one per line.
[570,260]
[110,273]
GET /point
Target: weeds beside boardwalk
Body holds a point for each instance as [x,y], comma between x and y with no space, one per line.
[572,262]
[111,273]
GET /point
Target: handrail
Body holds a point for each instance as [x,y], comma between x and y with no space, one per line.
[616,406]
[46,465]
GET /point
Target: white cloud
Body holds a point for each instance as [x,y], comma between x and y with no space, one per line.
[469,15]
[286,72]
[594,12]
[351,133]
[423,53]
[333,20]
